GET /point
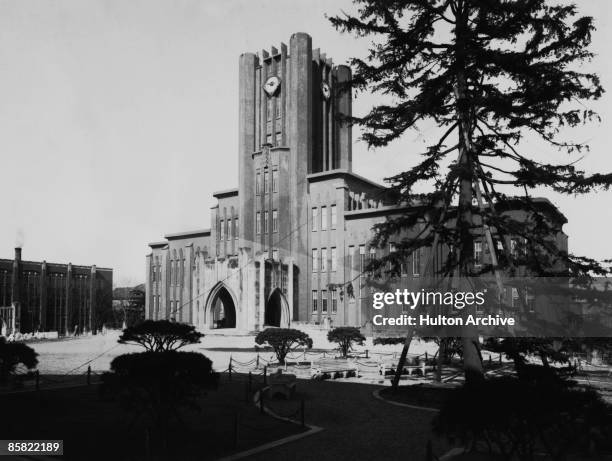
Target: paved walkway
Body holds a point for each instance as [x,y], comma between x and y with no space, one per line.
[356,426]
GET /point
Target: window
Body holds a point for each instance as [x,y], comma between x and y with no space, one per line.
[258,183]
[274,220]
[275,255]
[266,216]
[221,229]
[314,219]
[275,180]
[315,300]
[334,262]
[351,259]
[324,301]
[334,217]
[362,256]
[515,297]
[279,138]
[315,260]
[416,262]
[236,228]
[229,228]
[269,108]
[334,297]
[323,218]
[278,102]
[258,222]
[477,253]
[266,182]
[530,300]
[323,259]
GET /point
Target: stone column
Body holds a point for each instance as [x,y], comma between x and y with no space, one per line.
[262,291]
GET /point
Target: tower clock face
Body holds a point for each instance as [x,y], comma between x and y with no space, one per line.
[325,90]
[272,85]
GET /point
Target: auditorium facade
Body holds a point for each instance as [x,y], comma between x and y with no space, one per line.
[288,245]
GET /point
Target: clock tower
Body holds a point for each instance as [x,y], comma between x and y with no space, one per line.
[289,128]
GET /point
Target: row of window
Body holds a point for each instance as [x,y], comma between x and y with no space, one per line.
[228,229]
[266,220]
[319,264]
[326,298]
[517,249]
[266,181]
[321,223]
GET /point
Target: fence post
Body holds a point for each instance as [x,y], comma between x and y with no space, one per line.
[88,375]
[37,380]
[500,362]
[229,368]
[236,416]
[257,364]
[250,381]
[425,356]
[302,412]
[367,356]
[265,375]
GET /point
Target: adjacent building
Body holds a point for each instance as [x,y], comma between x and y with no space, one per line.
[285,245]
[43,296]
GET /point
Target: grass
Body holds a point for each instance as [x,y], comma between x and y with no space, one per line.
[419,394]
[94,429]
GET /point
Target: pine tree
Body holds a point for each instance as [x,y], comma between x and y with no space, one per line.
[488,74]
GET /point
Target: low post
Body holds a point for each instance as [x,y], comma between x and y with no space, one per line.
[302,412]
[257,364]
[367,357]
[229,368]
[425,356]
[88,375]
[250,381]
[500,360]
[265,375]
[236,430]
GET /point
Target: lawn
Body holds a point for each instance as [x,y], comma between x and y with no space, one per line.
[94,429]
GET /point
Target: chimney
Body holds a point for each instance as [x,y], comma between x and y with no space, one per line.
[17,253]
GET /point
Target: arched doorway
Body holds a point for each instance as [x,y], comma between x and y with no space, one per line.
[277,310]
[221,309]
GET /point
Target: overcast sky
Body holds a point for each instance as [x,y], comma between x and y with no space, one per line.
[119,119]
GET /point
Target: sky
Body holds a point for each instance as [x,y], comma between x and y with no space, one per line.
[119,119]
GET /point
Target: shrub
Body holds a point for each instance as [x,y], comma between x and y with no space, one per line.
[282,340]
[389,341]
[345,337]
[160,335]
[515,416]
[157,385]
[13,354]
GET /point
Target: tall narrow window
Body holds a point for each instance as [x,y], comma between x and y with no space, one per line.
[477,253]
[226,230]
[258,222]
[334,217]
[324,301]
[275,255]
[323,218]
[334,298]
[315,300]
[362,260]
[314,219]
[266,218]
[258,183]
[275,180]
[416,262]
[278,101]
[323,259]
[334,262]
[274,220]
[221,229]
[266,181]
[315,260]
[236,228]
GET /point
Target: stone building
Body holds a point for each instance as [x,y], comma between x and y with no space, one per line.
[286,243]
[45,297]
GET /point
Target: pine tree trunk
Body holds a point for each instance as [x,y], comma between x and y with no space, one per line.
[472,362]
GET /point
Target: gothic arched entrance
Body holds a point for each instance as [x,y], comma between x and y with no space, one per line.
[277,310]
[221,309]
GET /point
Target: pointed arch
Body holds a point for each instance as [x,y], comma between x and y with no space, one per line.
[220,308]
[277,310]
